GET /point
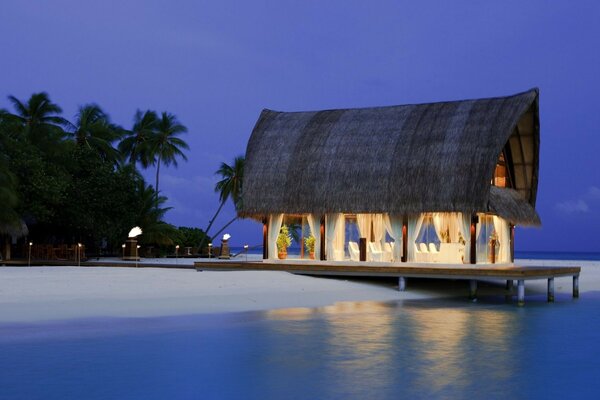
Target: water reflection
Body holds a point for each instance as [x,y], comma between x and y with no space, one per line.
[412,349]
[430,344]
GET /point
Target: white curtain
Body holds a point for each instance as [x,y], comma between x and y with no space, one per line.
[275,221]
[314,223]
[331,222]
[340,238]
[393,226]
[452,224]
[438,224]
[378,230]
[503,233]
[464,225]
[414,227]
[363,221]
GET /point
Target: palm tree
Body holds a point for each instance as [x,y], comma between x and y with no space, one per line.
[93,129]
[150,217]
[135,145]
[38,118]
[230,186]
[8,187]
[164,144]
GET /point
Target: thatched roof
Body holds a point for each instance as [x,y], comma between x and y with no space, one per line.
[399,159]
[17,229]
[510,205]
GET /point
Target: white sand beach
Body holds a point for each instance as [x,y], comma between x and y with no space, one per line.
[29,294]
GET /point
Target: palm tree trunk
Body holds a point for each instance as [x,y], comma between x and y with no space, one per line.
[210,223]
[157,172]
[226,225]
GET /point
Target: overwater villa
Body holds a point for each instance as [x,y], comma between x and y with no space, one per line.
[441,182]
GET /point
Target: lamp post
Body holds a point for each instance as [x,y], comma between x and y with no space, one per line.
[137,248]
[177,254]
[209,249]
[79,254]
[30,244]
[123,247]
[246,251]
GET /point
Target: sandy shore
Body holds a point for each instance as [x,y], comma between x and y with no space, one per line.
[55,293]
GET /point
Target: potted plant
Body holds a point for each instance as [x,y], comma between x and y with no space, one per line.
[284,240]
[309,244]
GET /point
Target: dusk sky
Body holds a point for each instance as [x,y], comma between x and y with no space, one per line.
[217,64]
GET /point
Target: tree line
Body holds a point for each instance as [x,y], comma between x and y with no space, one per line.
[78,181]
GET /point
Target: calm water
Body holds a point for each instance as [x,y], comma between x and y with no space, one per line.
[413,349]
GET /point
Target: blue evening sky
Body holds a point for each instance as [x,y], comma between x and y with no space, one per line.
[217,64]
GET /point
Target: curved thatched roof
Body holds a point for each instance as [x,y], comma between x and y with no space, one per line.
[399,159]
[509,204]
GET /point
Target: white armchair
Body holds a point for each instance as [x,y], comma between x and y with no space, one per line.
[375,254]
[388,254]
[434,254]
[421,252]
[354,251]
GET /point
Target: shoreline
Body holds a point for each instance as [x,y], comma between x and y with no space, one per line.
[39,294]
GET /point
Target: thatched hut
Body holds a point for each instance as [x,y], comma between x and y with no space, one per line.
[438,182]
[9,233]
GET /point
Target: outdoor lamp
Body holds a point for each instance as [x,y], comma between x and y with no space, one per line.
[135,231]
[226,237]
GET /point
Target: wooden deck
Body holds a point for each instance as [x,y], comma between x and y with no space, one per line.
[509,273]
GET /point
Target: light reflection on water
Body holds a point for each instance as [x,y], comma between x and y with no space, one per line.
[418,348]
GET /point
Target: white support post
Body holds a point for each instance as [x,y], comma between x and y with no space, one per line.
[521,292]
[401,284]
[472,289]
[550,290]
[575,286]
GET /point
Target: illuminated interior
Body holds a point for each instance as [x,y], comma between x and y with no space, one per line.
[431,238]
